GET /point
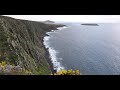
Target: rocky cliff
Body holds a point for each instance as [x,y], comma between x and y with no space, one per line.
[21,43]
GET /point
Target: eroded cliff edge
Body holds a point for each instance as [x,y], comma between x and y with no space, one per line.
[21,43]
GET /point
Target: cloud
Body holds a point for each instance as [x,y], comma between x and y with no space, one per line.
[71,18]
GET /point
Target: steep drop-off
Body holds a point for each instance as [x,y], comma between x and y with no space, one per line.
[21,43]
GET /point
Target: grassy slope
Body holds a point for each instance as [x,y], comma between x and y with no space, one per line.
[21,44]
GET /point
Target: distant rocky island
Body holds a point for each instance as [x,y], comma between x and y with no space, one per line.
[90,24]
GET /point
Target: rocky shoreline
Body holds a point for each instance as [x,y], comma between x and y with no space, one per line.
[48,54]
[49,60]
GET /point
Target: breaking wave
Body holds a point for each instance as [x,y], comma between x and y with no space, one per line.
[53,53]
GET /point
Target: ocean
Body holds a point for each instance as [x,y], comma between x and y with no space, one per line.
[94,50]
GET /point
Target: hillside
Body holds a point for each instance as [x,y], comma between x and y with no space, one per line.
[21,43]
[49,22]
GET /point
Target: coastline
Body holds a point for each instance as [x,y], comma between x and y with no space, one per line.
[24,44]
[47,52]
[49,59]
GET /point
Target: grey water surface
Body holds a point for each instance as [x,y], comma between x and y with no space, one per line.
[94,50]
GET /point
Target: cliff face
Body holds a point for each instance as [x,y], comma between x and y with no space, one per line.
[21,43]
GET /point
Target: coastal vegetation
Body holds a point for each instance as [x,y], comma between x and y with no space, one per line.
[7,68]
[67,72]
[21,44]
[11,69]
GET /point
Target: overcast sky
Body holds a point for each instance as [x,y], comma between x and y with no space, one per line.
[71,18]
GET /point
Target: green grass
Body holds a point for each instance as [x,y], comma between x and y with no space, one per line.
[43,70]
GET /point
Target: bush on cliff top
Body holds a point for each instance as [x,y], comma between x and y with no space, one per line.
[11,69]
[67,72]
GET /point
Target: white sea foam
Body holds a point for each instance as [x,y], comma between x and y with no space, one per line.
[53,53]
[57,66]
[60,28]
[46,43]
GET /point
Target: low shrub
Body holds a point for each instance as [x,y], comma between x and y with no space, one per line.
[67,72]
[11,69]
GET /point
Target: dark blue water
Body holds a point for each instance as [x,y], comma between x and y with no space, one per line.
[94,50]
